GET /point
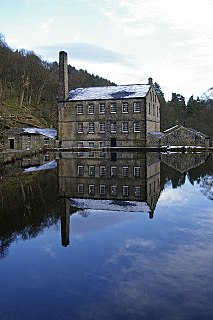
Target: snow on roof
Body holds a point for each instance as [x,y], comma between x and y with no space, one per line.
[51,133]
[172,128]
[46,166]
[113,205]
[109,92]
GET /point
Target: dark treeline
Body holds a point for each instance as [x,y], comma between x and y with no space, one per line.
[29,87]
[195,113]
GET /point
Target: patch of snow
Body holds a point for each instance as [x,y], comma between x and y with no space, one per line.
[109,92]
[46,166]
[48,132]
[113,205]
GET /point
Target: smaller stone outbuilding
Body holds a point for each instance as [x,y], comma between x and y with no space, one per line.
[28,138]
[182,136]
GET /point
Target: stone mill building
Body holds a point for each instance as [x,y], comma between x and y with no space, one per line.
[111,116]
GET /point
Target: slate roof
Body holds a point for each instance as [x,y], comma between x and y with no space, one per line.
[109,92]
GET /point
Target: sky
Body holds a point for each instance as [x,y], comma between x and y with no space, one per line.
[124,41]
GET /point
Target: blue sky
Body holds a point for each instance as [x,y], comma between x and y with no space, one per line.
[125,41]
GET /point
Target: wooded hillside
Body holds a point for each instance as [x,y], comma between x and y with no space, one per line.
[29,88]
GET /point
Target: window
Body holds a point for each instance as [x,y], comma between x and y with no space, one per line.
[157,111]
[102,108]
[114,190]
[46,141]
[137,127]
[137,191]
[137,106]
[113,127]
[153,110]
[80,127]
[91,127]
[80,189]
[91,170]
[91,145]
[125,191]
[113,107]
[91,189]
[102,189]
[80,145]
[102,127]
[125,126]
[80,170]
[137,172]
[102,170]
[102,145]
[113,171]
[80,109]
[125,107]
[91,108]
[125,171]
[149,108]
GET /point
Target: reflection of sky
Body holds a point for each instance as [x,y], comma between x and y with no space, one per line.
[118,266]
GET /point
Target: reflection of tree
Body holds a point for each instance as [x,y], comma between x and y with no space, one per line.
[206,185]
[28,205]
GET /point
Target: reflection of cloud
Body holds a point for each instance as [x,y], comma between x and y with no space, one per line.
[48,248]
[173,196]
[87,52]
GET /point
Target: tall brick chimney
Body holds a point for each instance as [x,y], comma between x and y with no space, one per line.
[150,81]
[63,76]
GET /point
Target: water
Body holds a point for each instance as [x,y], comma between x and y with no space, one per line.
[142,253]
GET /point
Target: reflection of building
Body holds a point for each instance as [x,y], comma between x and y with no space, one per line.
[132,177]
[107,116]
[183,162]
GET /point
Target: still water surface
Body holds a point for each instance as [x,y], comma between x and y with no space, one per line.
[153,260]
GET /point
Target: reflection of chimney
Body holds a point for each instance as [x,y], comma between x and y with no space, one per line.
[150,81]
[65,222]
[63,76]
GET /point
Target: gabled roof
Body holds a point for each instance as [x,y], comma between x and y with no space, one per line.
[109,92]
[189,129]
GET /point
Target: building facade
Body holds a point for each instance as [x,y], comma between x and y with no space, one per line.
[112,116]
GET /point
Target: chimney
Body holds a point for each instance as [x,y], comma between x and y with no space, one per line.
[63,76]
[150,81]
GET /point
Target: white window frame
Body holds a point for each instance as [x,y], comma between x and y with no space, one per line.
[80,109]
[102,127]
[102,189]
[125,127]
[102,171]
[125,171]
[137,172]
[113,107]
[137,126]
[80,127]
[91,108]
[137,191]
[80,188]
[113,127]
[125,107]
[91,127]
[137,107]
[102,108]
[80,170]
[113,171]
[125,191]
[91,170]
[91,189]
[80,145]
[114,190]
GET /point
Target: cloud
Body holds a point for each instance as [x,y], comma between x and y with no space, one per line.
[85,52]
[46,27]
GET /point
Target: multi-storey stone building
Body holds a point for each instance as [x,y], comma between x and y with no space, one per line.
[112,116]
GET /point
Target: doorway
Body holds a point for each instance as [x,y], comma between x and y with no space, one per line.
[12,143]
[113,142]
